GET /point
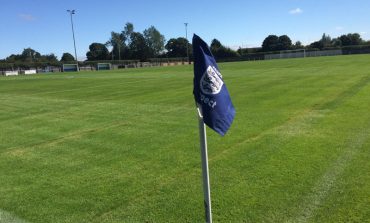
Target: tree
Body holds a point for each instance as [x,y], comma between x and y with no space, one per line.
[215,44]
[298,45]
[138,47]
[67,57]
[134,45]
[275,43]
[30,55]
[98,51]
[220,51]
[117,41]
[49,58]
[127,31]
[177,47]
[326,40]
[336,42]
[351,39]
[154,40]
[317,45]
[284,43]
[13,58]
[270,43]
[345,40]
[355,38]
[120,41]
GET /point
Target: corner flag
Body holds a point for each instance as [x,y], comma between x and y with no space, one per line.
[214,107]
[210,91]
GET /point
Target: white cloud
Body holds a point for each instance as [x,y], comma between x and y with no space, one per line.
[27,17]
[339,28]
[363,33]
[296,11]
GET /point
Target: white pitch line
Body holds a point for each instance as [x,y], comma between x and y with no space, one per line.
[322,188]
[6,217]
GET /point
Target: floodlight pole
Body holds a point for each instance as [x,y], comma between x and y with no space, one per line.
[72,12]
[187,43]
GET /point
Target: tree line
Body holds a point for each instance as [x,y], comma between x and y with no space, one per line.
[129,44]
[351,39]
[273,43]
[29,55]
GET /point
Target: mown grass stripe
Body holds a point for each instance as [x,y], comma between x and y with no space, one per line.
[6,217]
[322,188]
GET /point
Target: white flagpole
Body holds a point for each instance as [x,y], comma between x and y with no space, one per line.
[205,172]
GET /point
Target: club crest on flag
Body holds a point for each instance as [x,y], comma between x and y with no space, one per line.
[211,82]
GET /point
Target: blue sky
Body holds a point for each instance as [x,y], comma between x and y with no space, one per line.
[44,25]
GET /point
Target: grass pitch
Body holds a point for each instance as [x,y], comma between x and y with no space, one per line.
[122,146]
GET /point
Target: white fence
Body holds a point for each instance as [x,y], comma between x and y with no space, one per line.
[26,72]
[287,54]
[17,72]
[10,73]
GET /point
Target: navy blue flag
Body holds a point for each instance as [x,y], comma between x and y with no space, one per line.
[210,91]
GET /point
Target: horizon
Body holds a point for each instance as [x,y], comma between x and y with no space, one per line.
[46,28]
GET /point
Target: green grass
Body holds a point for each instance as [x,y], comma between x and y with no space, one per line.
[122,146]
